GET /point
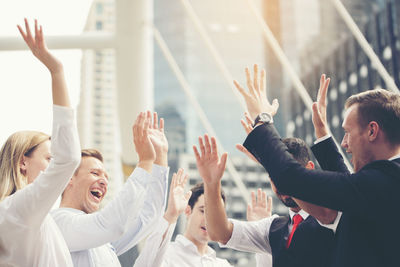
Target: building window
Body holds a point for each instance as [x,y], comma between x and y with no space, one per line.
[99,25]
[99,8]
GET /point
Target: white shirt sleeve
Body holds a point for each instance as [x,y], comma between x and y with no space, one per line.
[323,138]
[251,236]
[85,231]
[333,226]
[152,254]
[153,209]
[30,205]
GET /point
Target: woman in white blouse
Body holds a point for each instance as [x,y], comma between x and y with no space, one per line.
[33,175]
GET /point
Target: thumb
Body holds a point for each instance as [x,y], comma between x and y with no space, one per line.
[275,104]
[248,211]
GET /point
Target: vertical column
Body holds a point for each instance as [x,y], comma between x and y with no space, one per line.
[134,62]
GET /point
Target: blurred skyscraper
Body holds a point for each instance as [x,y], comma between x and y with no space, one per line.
[97,111]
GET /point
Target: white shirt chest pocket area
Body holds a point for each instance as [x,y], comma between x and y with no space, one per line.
[105,256]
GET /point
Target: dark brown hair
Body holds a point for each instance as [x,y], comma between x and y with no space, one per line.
[381,106]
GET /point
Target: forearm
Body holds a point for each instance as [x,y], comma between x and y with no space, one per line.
[59,88]
[217,224]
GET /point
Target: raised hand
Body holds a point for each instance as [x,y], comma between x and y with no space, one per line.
[158,139]
[177,199]
[260,207]
[143,145]
[256,97]
[38,47]
[211,167]
[319,108]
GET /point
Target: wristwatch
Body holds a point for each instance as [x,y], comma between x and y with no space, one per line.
[264,118]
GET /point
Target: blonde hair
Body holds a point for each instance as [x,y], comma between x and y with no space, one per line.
[17,145]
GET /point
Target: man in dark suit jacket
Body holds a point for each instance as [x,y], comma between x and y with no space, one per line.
[367,233]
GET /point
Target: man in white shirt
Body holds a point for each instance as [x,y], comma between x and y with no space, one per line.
[295,241]
[95,238]
[190,249]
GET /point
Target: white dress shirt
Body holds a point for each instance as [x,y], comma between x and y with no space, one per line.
[96,239]
[28,235]
[159,252]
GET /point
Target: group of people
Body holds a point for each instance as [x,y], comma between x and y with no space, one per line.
[335,217]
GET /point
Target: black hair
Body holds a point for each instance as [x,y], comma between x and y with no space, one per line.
[197,191]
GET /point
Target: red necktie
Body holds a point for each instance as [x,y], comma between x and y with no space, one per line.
[297,219]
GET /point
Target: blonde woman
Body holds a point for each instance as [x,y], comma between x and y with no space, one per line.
[33,175]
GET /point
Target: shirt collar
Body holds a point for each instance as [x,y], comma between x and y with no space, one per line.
[76,211]
[395,157]
[302,213]
[182,240]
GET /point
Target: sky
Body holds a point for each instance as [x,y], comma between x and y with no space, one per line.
[25,84]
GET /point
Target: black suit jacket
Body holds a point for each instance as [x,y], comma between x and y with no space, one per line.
[310,246]
[367,234]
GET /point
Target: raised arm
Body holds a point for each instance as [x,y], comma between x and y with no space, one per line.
[153,252]
[156,193]
[39,49]
[211,168]
[41,195]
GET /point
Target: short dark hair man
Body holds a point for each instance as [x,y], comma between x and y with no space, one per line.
[372,126]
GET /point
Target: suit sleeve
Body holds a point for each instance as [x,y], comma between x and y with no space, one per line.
[369,188]
[328,156]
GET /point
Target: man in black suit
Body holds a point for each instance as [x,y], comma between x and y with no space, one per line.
[297,240]
[367,233]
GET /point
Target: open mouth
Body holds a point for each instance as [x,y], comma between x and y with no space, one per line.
[203,228]
[97,194]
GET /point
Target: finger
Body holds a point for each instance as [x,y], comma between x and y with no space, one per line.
[248,212]
[253,199]
[248,80]
[321,82]
[155,120]
[223,159]
[259,198]
[36,31]
[196,153]
[207,144]
[324,92]
[28,30]
[161,125]
[21,31]
[202,148]
[248,118]
[263,83]
[275,105]
[185,178]
[179,176]
[264,198]
[255,78]
[245,126]
[269,205]
[173,182]
[240,88]
[139,125]
[214,145]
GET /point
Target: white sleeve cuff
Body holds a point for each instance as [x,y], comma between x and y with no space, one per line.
[323,138]
[333,226]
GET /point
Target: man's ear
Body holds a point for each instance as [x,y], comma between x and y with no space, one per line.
[373,130]
[188,210]
[310,165]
